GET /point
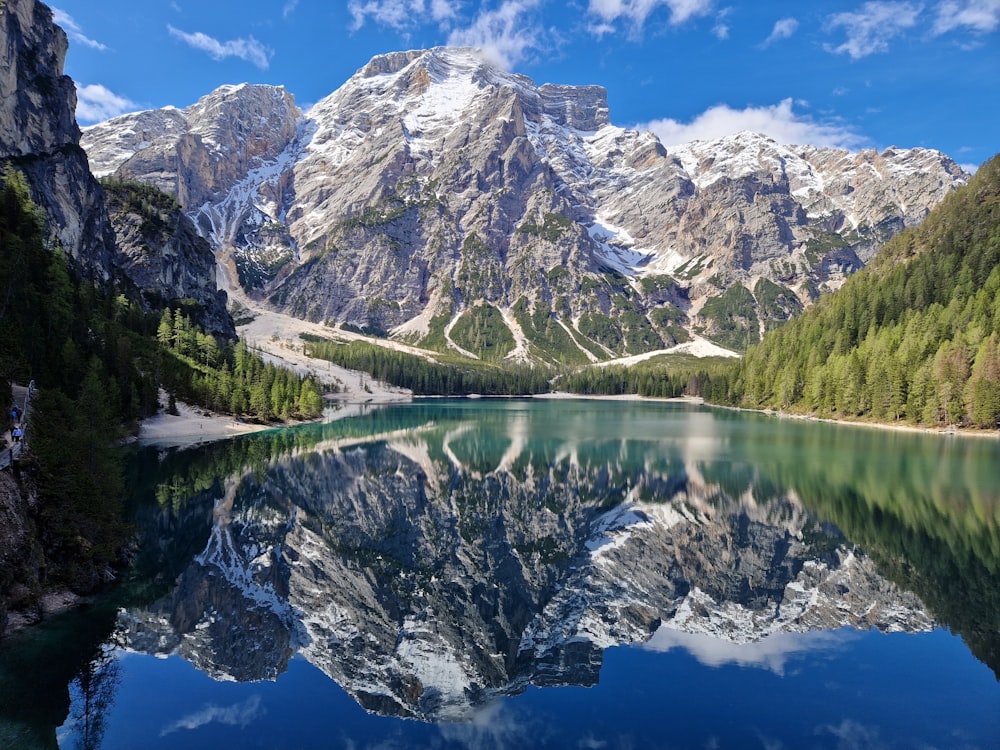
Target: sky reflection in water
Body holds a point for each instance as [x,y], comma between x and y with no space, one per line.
[472,565]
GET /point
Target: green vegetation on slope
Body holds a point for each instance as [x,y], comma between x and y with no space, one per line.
[98,360]
[552,227]
[731,319]
[915,336]
[145,200]
[551,341]
[777,303]
[230,379]
[426,378]
[664,376]
[483,332]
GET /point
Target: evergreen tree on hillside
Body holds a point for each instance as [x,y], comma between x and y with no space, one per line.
[98,360]
[911,337]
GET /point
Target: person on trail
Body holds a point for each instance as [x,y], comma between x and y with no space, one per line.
[17,433]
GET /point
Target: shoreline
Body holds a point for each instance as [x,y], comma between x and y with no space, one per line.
[191,426]
[50,604]
[952,431]
[195,426]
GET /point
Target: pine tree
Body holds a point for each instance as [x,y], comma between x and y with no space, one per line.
[165,331]
[982,393]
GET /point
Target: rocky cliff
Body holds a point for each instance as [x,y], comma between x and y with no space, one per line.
[162,258]
[432,193]
[22,562]
[39,137]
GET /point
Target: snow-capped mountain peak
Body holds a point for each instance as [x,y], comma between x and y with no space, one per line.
[433,170]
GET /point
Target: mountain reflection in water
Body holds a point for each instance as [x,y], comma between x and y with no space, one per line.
[429,558]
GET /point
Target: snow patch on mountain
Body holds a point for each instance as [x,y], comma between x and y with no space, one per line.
[359,211]
[617,249]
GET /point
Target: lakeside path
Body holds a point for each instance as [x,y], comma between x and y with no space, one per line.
[11,449]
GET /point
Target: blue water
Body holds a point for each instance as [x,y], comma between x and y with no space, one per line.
[318,570]
[860,690]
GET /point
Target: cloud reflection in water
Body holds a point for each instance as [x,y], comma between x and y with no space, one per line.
[238,715]
[771,652]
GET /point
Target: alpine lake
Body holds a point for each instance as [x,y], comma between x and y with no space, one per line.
[537,574]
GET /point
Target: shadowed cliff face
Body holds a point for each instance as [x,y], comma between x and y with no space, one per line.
[39,137]
[431,569]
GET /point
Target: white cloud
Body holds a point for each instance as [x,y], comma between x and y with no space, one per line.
[870,29]
[73,30]
[853,735]
[400,14]
[970,168]
[981,16]
[444,10]
[778,121]
[637,11]
[783,29]
[492,725]
[395,13]
[721,28]
[95,103]
[289,8]
[771,652]
[238,715]
[502,34]
[601,29]
[249,49]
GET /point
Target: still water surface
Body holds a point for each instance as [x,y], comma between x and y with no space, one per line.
[564,574]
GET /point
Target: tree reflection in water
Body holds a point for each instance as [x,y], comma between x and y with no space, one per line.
[433,557]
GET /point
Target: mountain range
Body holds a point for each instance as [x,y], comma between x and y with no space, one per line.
[430,570]
[39,138]
[450,204]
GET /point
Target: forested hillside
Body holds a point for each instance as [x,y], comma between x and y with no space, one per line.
[913,337]
[98,360]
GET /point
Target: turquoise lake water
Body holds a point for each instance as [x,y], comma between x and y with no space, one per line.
[551,574]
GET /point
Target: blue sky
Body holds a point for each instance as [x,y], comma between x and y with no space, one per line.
[851,74]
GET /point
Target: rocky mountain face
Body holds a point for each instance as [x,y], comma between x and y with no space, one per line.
[162,257]
[433,196]
[431,571]
[21,556]
[39,137]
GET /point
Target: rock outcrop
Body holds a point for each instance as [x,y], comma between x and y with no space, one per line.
[39,137]
[432,186]
[162,258]
[21,560]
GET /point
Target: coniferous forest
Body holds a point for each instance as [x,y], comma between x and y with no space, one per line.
[230,378]
[427,378]
[914,337]
[98,361]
